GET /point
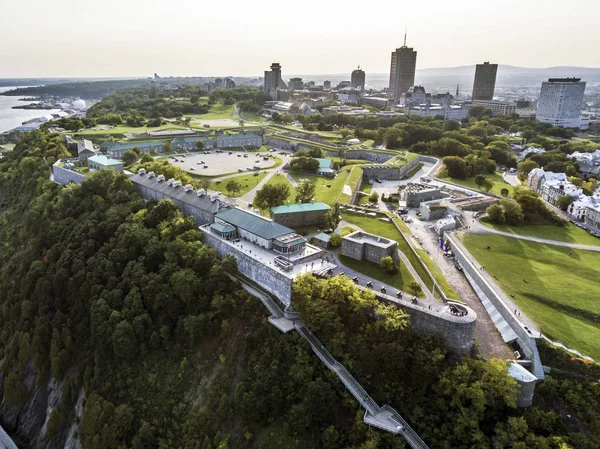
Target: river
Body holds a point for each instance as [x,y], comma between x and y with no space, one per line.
[11,118]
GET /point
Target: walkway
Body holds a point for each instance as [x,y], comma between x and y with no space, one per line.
[383,417]
[475,227]
[5,441]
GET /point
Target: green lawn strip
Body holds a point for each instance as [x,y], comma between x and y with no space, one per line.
[217,111]
[496,178]
[399,280]
[353,181]
[247,180]
[562,287]
[569,233]
[323,193]
[414,171]
[250,117]
[337,160]
[388,230]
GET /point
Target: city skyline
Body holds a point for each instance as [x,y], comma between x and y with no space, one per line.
[191,39]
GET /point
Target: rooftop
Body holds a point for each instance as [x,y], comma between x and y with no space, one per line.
[324,162]
[255,224]
[299,207]
[101,159]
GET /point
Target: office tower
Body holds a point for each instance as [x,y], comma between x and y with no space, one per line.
[485,81]
[327,85]
[296,84]
[358,79]
[560,102]
[273,81]
[402,70]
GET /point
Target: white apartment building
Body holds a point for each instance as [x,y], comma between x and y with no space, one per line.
[498,107]
[560,102]
[554,189]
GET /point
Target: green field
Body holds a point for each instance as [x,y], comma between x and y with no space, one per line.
[217,111]
[496,178]
[353,181]
[370,269]
[562,289]
[388,230]
[569,233]
[248,182]
[329,195]
[278,179]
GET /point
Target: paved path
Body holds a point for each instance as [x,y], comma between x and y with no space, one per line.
[475,227]
[5,441]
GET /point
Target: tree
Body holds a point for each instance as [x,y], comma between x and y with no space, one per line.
[129,157]
[526,166]
[204,183]
[146,157]
[487,184]
[373,197]
[414,287]
[233,187]
[335,240]
[305,192]
[504,191]
[200,145]
[456,166]
[565,201]
[271,195]
[388,265]
[332,218]
[167,147]
[495,214]
[513,212]
[451,125]
[137,151]
[345,132]
[479,180]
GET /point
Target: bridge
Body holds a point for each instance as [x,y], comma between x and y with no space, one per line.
[383,417]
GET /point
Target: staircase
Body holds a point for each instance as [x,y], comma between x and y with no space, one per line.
[385,417]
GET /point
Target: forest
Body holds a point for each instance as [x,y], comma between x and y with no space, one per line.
[119,301]
[88,89]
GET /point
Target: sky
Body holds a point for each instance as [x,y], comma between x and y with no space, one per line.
[130,38]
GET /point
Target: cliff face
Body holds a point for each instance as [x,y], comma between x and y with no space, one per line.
[28,425]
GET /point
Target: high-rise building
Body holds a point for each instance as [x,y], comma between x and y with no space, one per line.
[485,81]
[327,85]
[402,70]
[358,79]
[560,102]
[296,84]
[273,81]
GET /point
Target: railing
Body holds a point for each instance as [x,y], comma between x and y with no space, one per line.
[398,423]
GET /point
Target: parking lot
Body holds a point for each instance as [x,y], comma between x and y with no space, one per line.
[217,164]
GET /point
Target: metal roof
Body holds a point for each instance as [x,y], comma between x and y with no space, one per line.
[323,237]
[100,159]
[324,162]
[299,207]
[253,223]
[222,227]
[177,193]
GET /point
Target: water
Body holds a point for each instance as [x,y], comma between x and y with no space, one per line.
[11,118]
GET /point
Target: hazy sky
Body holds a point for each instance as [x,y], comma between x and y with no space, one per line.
[234,37]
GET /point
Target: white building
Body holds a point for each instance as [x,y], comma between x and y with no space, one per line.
[538,177]
[498,107]
[554,189]
[560,102]
[452,112]
[529,150]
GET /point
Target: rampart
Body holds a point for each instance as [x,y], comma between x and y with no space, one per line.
[269,278]
[65,176]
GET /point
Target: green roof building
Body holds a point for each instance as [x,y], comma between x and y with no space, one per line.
[100,161]
[300,214]
[325,167]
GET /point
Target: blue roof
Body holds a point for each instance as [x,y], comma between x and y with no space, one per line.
[253,223]
[324,162]
[101,159]
[299,207]
[222,227]
[323,237]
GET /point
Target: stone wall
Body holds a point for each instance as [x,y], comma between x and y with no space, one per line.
[295,219]
[525,339]
[270,279]
[64,176]
[455,331]
[362,249]
[286,144]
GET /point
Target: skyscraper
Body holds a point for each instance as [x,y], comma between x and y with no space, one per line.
[327,85]
[402,70]
[358,79]
[485,81]
[560,102]
[273,81]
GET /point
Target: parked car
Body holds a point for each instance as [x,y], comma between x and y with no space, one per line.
[192,168]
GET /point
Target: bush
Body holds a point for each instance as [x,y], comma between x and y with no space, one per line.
[374,197]
[414,287]
[388,265]
[335,241]
[496,214]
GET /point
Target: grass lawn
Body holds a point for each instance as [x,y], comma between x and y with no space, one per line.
[250,117]
[399,280]
[278,179]
[387,230]
[248,182]
[496,178]
[121,130]
[365,188]
[328,195]
[569,233]
[562,289]
[353,181]
[217,111]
